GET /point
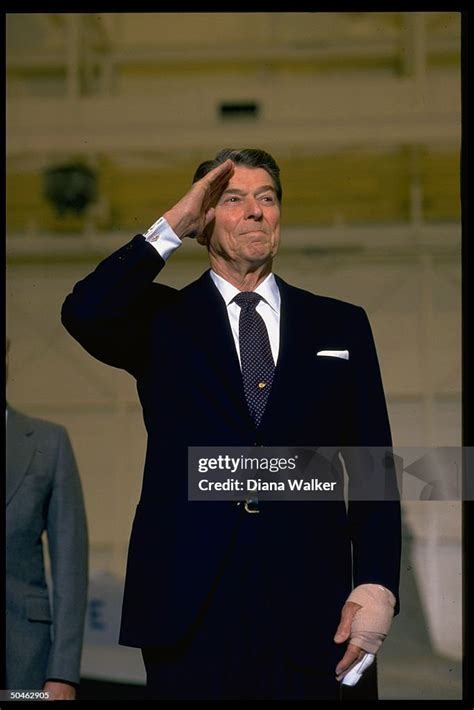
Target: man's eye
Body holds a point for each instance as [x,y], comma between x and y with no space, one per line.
[233,198]
[267,198]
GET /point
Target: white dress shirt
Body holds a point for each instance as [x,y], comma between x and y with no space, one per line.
[165,240]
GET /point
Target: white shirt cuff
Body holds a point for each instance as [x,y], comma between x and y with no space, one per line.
[163,238]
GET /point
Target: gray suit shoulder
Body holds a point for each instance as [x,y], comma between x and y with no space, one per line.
[43,427]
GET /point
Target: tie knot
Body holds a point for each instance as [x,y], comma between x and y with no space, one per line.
[247,298]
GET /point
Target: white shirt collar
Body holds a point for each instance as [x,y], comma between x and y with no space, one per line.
[268,290]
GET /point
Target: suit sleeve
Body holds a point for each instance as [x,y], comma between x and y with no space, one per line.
[375,524]
[109,311]
[68,549]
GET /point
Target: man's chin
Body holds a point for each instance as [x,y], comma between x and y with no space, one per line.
[258,259]
[259,252]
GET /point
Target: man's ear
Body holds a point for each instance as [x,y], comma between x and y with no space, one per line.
[203,239]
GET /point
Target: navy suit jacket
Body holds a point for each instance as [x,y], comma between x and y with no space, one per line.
[178,345]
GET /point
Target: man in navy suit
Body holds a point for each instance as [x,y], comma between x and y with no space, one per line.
[225,600]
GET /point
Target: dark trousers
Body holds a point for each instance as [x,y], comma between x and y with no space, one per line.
[235,651]
[171,676]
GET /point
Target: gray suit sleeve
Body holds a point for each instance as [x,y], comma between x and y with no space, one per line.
[68,550]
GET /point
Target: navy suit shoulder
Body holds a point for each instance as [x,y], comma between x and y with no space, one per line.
[310,300]
[109,311]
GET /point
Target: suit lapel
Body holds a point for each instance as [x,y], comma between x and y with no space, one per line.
[210,329]
[20,450]
[293,338]
[293,328]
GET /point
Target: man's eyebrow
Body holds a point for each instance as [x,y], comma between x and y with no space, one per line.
[238,191]
[265,188]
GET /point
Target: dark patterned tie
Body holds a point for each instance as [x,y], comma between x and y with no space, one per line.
[255,354]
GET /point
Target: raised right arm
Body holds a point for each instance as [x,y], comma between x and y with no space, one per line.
[110,310]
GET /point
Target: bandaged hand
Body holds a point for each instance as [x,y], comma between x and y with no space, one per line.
[371,623]
[365,621]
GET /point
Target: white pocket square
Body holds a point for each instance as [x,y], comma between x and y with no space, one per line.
[343,354]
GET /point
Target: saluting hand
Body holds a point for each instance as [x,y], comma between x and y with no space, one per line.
[190,216]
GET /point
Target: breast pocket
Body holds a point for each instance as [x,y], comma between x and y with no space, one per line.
[331,371]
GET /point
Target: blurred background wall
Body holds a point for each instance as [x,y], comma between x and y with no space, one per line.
[108,116]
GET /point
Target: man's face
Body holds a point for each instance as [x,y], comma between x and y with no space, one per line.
[246,228]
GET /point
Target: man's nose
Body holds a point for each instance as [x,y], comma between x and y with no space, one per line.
[253,209]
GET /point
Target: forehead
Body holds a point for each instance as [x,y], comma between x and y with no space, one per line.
[249,178]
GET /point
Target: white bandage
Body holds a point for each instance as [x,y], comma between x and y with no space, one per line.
[372,622]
